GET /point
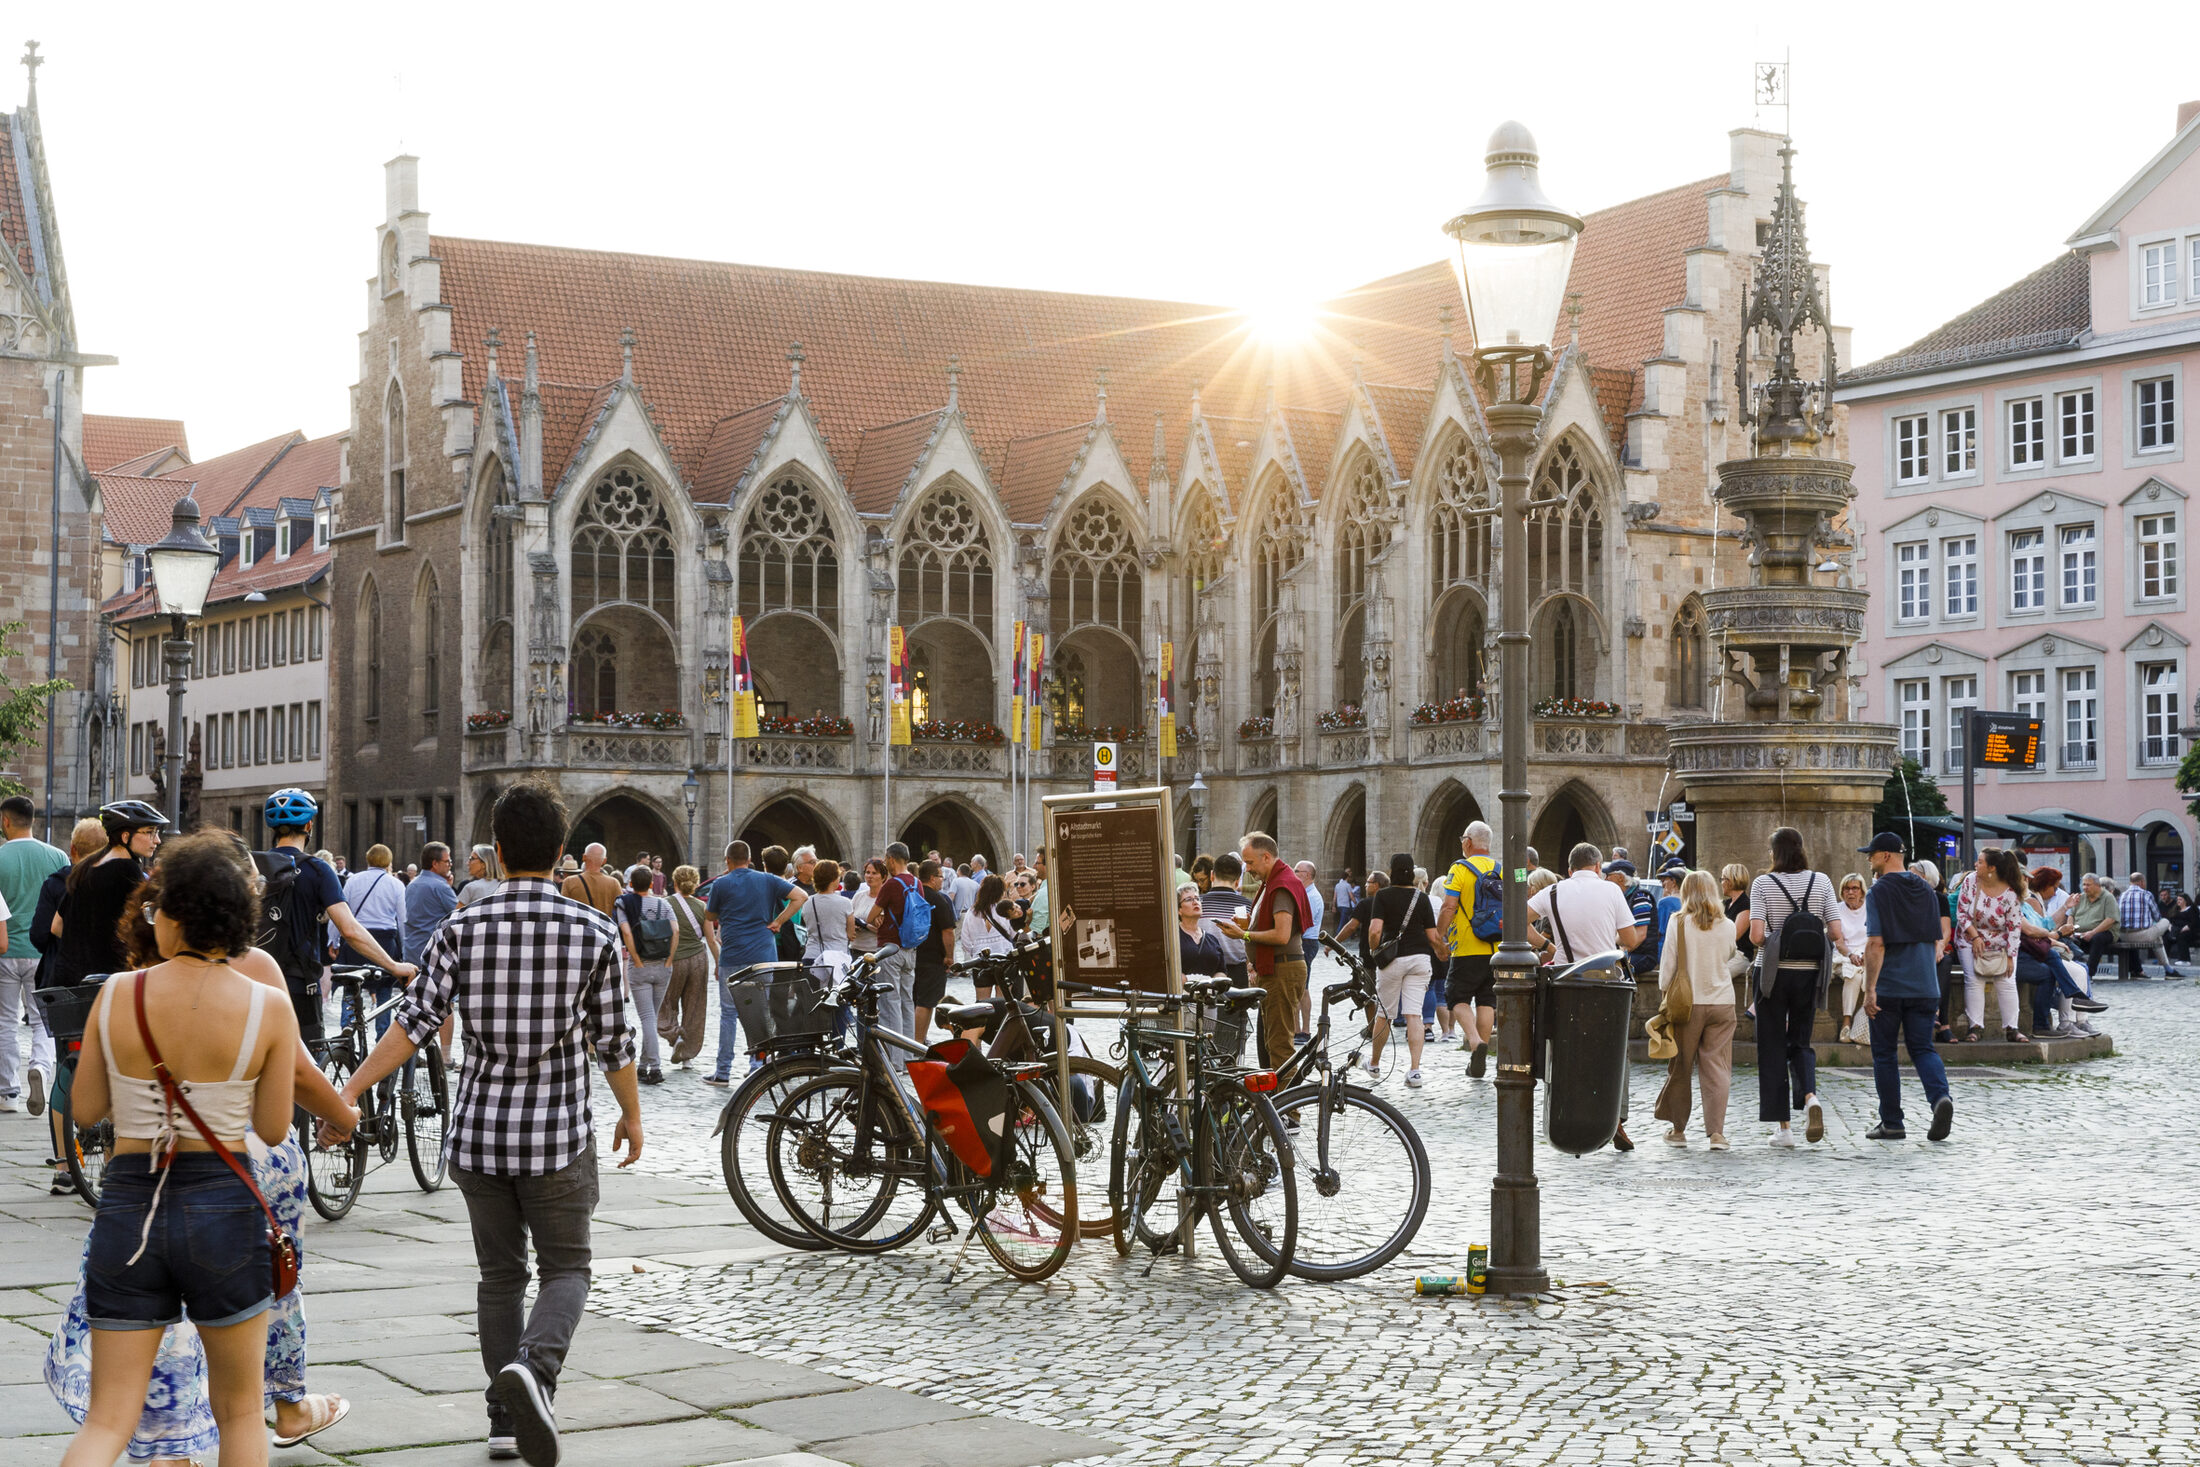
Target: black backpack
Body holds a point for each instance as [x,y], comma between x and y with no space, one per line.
[289,933]
[1803,934]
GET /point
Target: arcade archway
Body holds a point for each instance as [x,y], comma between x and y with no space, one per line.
[1572,814]
[1345,849]
[626,827]
[1447,813]
[953,829]
[793,822]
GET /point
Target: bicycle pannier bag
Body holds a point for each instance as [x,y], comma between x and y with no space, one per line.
[967,1098]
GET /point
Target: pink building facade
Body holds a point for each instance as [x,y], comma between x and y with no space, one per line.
[2023,517]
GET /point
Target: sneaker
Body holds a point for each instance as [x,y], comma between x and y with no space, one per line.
[1479,1062]
[1944,1116]
[1373,1075]
[2082,1005]
[534,1423]
[1885,1132]
[1301,1037]
[1413,1079]
[37,1105]
[1675,1137]
[1718,1143]
[1784,1138]
[10,1104]
[1814,1124]
[502,1448]
[2080,1029]
[718,1082]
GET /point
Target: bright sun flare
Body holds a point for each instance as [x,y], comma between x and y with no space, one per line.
[1282,320]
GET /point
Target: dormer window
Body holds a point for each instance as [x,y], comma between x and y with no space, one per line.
[248,547]
[138,573]
[2158,274]
[321,528]
[282,538]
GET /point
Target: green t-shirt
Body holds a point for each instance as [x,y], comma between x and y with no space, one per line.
[24,866]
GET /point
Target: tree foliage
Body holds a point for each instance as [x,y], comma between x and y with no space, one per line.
[1922,797]
[2188,776]
[22,709]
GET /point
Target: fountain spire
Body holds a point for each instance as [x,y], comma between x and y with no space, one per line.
[1787,412]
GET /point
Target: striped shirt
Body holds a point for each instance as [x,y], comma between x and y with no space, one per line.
[538,978]
[2135,909]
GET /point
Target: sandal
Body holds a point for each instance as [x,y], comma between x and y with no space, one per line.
[1974,1035]
[336,1407]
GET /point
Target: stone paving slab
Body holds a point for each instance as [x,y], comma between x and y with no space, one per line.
[701,1442]
[972,1442]
[737,1380]
[871,1409]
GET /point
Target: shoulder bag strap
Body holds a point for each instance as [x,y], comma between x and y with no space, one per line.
[175,1095]
[1557,922]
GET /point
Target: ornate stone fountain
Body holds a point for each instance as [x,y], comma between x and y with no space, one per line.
[1783,746]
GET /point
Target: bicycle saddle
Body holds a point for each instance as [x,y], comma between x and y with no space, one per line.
[971,1015]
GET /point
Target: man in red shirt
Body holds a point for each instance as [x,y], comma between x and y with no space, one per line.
[1271,936]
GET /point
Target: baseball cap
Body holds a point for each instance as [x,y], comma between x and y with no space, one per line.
[1886,840]
[1621,867]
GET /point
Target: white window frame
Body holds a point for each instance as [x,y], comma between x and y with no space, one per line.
[2078,567]
[2028,694]
[2077,426]
[2078,739]
[2161,712]
[1914,706]
[2157,570]
[1959,441]
[1912,437]
[2026,420]
[1959,563]
[1914,582]
[2154,414]
[2159,263]
[1959,691]
[2027,572]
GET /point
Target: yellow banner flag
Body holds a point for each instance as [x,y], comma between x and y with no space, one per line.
[1037,670]
[897,685]
[1016,688]
[744,684]
[1167,700]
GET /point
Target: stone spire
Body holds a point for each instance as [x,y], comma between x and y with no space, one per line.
[1787,412]
[954,383]
[794,369]
[493,340]
[530,425]
[1100,408]
[626,355]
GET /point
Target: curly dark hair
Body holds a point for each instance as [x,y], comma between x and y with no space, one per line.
[209,893]
[139,946]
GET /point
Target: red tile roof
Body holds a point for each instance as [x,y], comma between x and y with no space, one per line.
[309,466]
[710,336]
[111,443]
[1313,436]
[224,479]
[2051,307]
[15,217]
[1032,470]
[730,451]
[883,458]
[1401,415]
[138,511]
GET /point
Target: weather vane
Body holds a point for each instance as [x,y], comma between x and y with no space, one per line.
[1772,91]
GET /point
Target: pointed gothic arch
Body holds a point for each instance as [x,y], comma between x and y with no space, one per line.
[957,828]
[1565,544]
[1570,814]
[1447,811]
[369,655]
[1461,547]
[1361,532]
[1459,655]
[1567,647]
[498,523]
[946,566]
[1344,838]
[394,460]
[1094,575]
[791,818]
[428,668]
[1202,555]
[1278,545]
[1687,679]
[622,546]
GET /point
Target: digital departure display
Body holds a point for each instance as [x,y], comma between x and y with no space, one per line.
[2005,741]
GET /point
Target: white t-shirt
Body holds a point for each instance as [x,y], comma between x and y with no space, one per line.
[975,936]
[1592,913]
[1849,927]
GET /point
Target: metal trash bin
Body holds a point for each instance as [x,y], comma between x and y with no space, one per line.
[1581,1037]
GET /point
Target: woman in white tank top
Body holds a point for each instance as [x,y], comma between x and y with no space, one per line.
[177,1231]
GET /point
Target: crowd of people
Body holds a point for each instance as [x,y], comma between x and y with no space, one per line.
[555,965]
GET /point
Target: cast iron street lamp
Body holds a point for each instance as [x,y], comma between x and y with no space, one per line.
[690,789]
[183,567]
[1515,248]
[1199,806]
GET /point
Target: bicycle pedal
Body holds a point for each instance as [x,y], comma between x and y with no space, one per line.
[944,1233]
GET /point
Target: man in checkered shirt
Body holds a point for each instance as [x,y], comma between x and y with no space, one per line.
[538,979]
[2141,921]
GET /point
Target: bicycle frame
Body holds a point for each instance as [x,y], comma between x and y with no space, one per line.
[1191,1052]
[875,1044]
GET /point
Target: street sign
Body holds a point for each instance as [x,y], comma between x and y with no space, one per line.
[1681,812]
[1103,766]
[2005,741]
[1670,842]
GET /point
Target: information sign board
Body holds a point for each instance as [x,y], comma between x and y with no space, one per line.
[1109,869]
[2005,741]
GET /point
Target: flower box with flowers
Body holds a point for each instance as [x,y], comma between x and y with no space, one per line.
[483,722]
[1338,720]
[941,731]
[822,726]
[1462,708]
[1078,733]
[1261,727]
[663,719]
[1575,708]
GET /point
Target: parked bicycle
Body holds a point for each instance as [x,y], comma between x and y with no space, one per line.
[790,1014]
[415,1102]
[1368,1168]
[85,1150]
[1213,1147]
[863,1163]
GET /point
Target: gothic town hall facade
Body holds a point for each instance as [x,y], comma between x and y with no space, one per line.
[566,471]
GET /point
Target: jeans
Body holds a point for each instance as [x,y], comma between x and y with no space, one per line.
[729,1028]
[897,1006]
[1433,1000]
[1910,1020]
[648,984]
[506,1211]
[1784,1018]
[17,977]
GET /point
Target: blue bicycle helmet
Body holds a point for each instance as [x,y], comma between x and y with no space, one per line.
[291,809]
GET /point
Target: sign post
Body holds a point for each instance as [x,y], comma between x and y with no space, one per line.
[1110,861]
[1103,768]
[2008,741]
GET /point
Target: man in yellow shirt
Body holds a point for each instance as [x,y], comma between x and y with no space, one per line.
[1470,983]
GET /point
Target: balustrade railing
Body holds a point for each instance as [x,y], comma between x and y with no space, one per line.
[795,751]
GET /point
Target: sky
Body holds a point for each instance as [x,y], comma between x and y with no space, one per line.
[217,167]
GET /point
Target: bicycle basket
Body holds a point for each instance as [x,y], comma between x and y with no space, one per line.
[69,1009]
[783,1007]
[1229,1032]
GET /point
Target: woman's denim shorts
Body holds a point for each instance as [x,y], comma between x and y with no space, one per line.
[206,1253]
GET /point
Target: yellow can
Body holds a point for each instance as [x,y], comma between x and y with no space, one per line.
[1478,1268]
[1442,1283]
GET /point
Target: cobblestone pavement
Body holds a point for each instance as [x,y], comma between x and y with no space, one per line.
[2024,1292]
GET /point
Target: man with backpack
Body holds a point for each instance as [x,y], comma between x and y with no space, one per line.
[299,900]
[903,920]
[937,952]
[1473,919]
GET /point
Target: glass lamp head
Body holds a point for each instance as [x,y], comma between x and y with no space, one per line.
[1515,249]
[183,565]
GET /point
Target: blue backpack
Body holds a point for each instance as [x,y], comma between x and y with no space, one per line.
[916,916]
[1487,918]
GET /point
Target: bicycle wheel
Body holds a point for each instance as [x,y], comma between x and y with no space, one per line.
[86,1150]
[1249,1157]
[334,1174]
[862,1193]
[1095,1087]
[1144,1179]
[742,1149]
[1367,1184]
[1028,1222]
[427,1107]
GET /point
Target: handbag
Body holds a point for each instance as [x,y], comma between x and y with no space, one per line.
[1677,1004]
[282,1253]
